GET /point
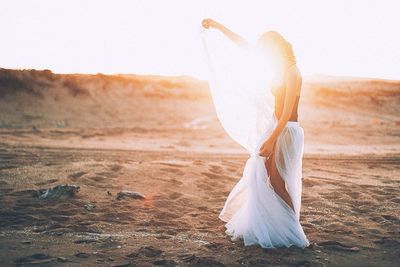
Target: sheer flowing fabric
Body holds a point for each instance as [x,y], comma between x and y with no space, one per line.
[245,108]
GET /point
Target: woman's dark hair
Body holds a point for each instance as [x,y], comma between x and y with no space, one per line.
[273,38]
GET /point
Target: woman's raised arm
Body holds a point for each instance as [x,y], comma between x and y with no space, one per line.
[234,37]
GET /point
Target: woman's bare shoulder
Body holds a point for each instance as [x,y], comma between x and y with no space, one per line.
[294,72]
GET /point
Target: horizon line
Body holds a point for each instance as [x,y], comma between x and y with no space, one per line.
[192,76]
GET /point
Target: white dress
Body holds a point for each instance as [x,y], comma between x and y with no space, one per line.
[253,211]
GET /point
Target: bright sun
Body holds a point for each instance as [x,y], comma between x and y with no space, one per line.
[162,37]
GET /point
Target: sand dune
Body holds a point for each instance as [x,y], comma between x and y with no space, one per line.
[159,136]
[363,113]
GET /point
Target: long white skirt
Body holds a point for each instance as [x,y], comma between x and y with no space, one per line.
[254,212]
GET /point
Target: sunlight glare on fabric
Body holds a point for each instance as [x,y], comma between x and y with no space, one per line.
[239,81]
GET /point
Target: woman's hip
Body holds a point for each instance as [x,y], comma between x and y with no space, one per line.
[292,124]
[292,136]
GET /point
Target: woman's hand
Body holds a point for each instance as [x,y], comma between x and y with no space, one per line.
[209,23]
[237,39]
[267,148]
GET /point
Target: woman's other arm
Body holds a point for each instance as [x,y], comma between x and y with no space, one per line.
[293,83]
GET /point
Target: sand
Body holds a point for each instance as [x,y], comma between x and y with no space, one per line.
[159,136]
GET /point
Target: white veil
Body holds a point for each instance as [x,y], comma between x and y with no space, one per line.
[239,83]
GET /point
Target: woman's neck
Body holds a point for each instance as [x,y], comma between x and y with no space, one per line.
[284,65]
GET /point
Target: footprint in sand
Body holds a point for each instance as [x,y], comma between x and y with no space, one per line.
[175,182]
[232,169]
[100,181]
[329,195]
[395,200]
[170,164]
[101,177]
[203,208]
[47,182]
[76,176]
[377,191]
[229,164]
[194,260]
[198,162]
[311,181]
[97,178]
[391,218]
[174,195]
[214,246]
[148,251]
[388,241]
[217,177]
[354,195]
[334,245]
[116,168]
[164,215]
[106,174]
[215,169]
[205,186]
[172,170]
[35,259]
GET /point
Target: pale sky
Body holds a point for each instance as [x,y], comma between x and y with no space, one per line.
[351,38]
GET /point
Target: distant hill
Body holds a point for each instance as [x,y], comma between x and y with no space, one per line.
[39,83]
[43,99]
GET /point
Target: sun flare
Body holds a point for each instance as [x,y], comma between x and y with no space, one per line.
[162,37]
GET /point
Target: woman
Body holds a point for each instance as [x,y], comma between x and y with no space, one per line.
[264,206]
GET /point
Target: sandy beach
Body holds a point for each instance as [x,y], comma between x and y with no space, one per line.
[160,137]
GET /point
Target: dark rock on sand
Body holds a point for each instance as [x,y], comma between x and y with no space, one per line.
[62,259]
[130,194]
[165,263]
[194,260]
[303,263]
[82,255]
[85,241]
[387,241]
[187,257]
[150,251]
[124,264]
[133,255]
[214,245]
[37,258]
[59,192]
[89,206]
